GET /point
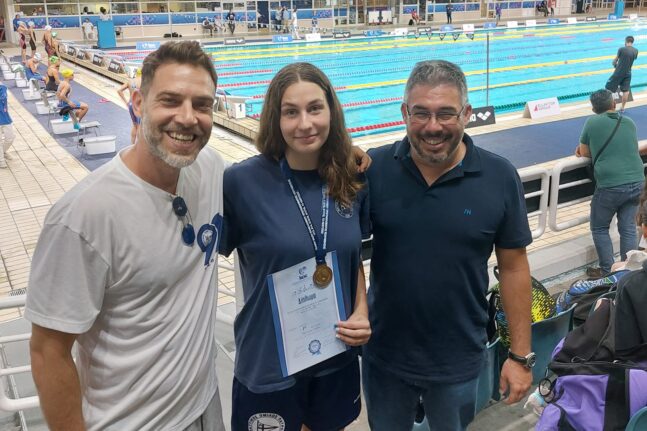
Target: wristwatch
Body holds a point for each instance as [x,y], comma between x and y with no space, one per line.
[527,361]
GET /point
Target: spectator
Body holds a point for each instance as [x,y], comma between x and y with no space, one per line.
[610,140]
[448,10]
[132,288]
[7,135]
[497,12]
[315,23]
[88,29]
[295,25]
[103,14]
[207,25]
[285,19]
[439,206]
[415,17]
[231,21]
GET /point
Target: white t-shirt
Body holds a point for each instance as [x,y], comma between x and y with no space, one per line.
[87,27]
[111,266]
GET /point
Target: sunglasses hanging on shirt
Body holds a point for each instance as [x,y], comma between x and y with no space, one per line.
[182,212]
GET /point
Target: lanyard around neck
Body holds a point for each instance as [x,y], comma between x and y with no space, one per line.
[318,240]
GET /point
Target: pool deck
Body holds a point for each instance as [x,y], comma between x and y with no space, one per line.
[40,171]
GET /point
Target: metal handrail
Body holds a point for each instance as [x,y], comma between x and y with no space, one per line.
[14,404]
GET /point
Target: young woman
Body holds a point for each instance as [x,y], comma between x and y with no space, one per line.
[23,32]
[131,86]
[52,78]
[296,213]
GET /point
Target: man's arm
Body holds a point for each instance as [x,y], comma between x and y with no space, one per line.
[582,150]
[516,294]
[56,378]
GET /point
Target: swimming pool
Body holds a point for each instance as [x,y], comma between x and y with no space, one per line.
[369,74]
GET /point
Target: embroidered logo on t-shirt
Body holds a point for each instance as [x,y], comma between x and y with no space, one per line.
[343,210]
[266,422]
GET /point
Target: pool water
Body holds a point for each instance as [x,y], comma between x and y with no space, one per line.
[369,74]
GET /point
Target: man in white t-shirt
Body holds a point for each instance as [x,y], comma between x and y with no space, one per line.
[88,29]
[125,267]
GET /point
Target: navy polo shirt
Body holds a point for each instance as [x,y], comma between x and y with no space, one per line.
[431,245]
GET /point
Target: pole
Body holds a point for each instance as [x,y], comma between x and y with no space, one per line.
[487,69]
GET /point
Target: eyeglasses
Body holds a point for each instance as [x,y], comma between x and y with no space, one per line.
[182,212]
[442,117]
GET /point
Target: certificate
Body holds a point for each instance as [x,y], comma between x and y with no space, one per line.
[305,315]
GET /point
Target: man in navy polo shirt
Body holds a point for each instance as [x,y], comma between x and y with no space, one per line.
[439,206]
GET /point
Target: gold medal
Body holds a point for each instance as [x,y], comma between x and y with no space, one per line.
[322,276]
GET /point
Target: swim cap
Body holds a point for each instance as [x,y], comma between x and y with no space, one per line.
[21,22]
[53,59]
[48,27]
[31,23]
[37,56]
[138,72]
[54,34]
[67,73]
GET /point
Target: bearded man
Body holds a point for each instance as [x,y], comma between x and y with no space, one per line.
[120,271]
[439,206]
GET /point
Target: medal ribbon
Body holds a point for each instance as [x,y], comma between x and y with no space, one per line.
[318,240]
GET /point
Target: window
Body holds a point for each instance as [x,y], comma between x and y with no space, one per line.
[182,7]
[154,7]
[62,9]
[208,6]
[125,8]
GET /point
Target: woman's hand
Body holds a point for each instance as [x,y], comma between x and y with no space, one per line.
[355,331]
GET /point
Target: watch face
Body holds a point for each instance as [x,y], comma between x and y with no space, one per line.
[531,359]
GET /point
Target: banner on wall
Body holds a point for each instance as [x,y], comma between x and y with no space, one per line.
[147,46]
[612,17]
[591,18]
[553,21]
[482,116]
[341,34]
[489,25]
[541,108]
[115,66]
[234,41]
[280,38]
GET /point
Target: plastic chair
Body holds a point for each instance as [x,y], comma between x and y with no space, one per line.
[546,334]
[638,421]
[488,386]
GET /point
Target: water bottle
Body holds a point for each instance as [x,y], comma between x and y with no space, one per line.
[536,401]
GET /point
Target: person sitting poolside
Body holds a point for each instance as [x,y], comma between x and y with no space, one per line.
[52,79]
[31,68]
[63,95]
[208,25]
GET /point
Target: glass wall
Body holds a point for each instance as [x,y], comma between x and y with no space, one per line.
[70,13]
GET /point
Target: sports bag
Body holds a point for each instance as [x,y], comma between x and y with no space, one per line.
[584,293]
[593,391]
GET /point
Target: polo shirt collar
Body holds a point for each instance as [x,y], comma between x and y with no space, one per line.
[471,161]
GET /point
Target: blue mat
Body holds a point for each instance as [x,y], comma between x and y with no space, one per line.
[531,145]
[114,120]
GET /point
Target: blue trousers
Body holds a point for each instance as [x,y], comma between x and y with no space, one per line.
[391,401]
[621,201]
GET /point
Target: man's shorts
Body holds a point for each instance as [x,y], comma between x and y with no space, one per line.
[325,403]
[624,82]
[135,119]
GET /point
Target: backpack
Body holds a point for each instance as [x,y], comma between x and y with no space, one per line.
[584,293]
[543,307]
[593,391]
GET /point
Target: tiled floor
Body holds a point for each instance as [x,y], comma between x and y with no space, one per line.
[40,171]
